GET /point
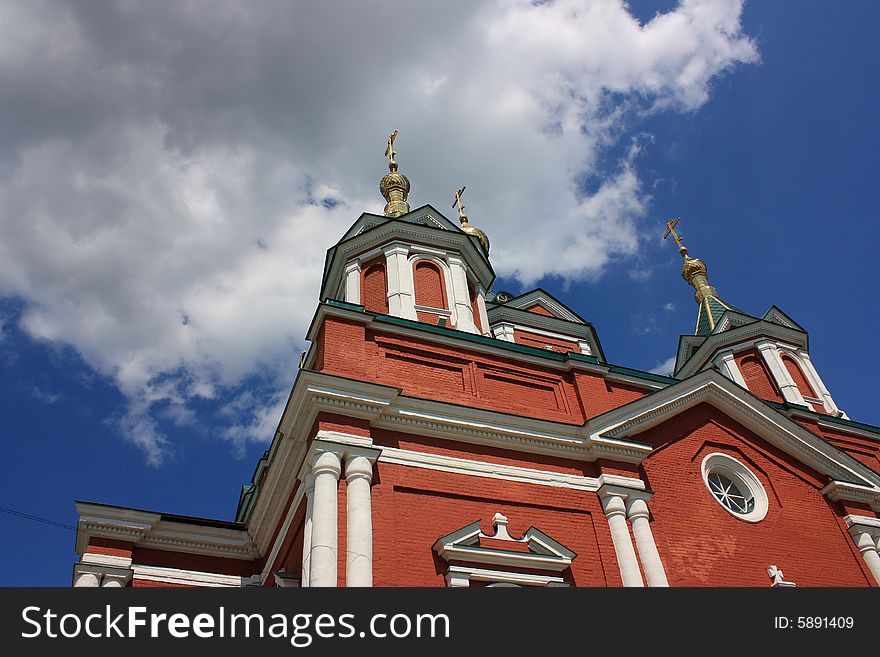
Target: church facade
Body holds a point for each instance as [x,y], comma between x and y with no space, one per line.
[442,434]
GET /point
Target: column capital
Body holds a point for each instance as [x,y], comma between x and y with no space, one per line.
[359,466]
[326,463]
[396,248]
[623,492]
[636,508]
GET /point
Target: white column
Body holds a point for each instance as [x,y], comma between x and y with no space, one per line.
[481,308]
[87,580]
[359,555]
[353,282]
[322,567]
[790,391]
[868,547]
[637,510]
[727,364]
[401,295]
[816,381]
[464,312]
[309,483]
[615,510]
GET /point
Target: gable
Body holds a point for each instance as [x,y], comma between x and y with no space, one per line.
[711,387]
[542,302]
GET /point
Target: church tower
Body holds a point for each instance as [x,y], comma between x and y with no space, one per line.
[768,356]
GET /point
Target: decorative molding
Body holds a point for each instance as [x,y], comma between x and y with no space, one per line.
[714,388]
[456,465]
[463,575]
[154,530]
[842,490]
[190,577]
[738,338]
[462,546]
[403,228]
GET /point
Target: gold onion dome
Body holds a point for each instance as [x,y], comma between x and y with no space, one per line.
[394,186]
[465,225]
[694,271]
[476,232]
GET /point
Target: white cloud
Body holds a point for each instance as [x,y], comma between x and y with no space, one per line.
[664,368]
[164,163]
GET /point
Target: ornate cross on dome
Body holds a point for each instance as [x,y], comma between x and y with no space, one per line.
[389,151]
[670,230]
[458,201]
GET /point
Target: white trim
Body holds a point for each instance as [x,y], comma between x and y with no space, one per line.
[713,387]
[465,574]
[743,477]
[106,560]
[502,558]
[276,546]
[863,521]
[450,310]
[352,282]
[150,529]
[737,339]
[457,465]
[190,577]
[842,490]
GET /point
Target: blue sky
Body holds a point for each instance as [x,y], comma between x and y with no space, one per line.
[770,159]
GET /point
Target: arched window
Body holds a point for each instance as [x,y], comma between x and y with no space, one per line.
[798,377]
[374,288]
[430,288]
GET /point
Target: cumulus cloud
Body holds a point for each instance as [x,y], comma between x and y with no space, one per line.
[173,173]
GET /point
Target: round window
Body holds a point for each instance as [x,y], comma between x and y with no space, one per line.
[735,487]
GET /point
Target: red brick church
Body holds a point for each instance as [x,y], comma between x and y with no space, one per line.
[440,434]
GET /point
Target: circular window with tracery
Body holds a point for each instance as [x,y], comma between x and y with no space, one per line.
[734,487]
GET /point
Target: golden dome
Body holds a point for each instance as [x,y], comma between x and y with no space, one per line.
[395,188]
[476,232]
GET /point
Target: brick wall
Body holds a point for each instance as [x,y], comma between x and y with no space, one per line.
[703,544]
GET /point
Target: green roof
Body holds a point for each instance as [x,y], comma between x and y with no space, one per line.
[711,310]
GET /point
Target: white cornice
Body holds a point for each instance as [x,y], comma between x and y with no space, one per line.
[402,229]
[842,490]
[465,573]
[503,558]
[384,407]
[736,336]
[456,465]
[862,521]
[189,577]
[147,529]
[713,388]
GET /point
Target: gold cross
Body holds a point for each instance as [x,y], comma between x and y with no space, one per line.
[389,151]
[458,200]
[670,230]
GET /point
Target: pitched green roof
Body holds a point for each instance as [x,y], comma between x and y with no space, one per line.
[711,310]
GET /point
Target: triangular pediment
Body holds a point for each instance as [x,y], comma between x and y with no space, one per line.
[534,550]
[776,316]
[426,215]
[711,387]
[542,302]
